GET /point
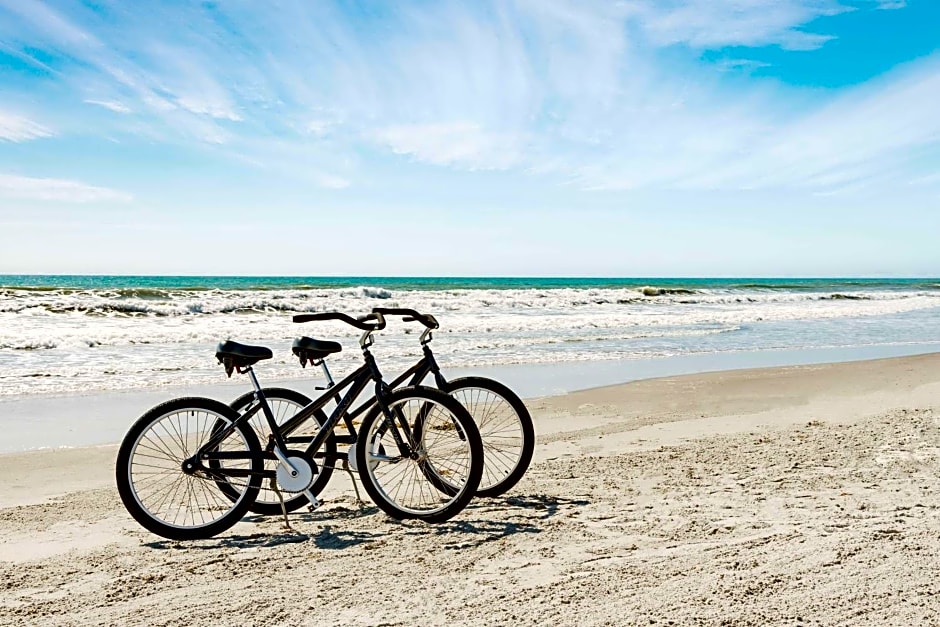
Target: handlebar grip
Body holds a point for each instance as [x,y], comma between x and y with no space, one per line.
[409,315]
[335,315]
[312,317]
[426,319]
[396,311]
[379,319]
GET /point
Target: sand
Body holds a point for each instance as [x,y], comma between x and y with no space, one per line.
[787,496]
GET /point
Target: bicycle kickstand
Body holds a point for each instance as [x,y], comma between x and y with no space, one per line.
[352,478]
[280,497]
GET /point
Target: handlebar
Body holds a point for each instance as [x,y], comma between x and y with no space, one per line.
[362,323]
[408,315]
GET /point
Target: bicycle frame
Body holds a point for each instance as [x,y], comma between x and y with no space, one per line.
[277,445]
[417,373]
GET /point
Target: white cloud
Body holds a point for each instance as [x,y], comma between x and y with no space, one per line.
[869,132]
[143,72]
[891,4]
[573,90]
[720,23]
[746,65]
[15,128]
[214,109]
[111,105]
[461,144]
[28,188]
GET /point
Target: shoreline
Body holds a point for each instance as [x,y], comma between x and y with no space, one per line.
[678,406]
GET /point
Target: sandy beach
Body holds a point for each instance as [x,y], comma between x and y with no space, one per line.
[788,496]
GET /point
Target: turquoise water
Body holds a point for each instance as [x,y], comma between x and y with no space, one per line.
[120,282]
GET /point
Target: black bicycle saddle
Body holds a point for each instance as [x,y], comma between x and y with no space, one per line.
[309,349]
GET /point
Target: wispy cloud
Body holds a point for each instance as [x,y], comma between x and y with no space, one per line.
[717,23]
[111,105]
[461,144]
[28,188]
[576,90]
[16,128]
[747,65]
[869,132]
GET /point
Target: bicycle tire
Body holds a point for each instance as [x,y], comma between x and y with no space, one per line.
[281,401]
[421,499]
[506,429]
[150,477]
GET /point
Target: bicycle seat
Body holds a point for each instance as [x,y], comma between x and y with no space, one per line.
[309,349]
[241,355]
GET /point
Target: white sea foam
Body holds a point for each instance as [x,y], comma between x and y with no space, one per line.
[66,340]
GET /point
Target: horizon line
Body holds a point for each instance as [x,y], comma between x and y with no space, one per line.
[482,276]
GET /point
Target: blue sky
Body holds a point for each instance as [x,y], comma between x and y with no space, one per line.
[527,137]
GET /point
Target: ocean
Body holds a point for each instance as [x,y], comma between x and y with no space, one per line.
[68,334]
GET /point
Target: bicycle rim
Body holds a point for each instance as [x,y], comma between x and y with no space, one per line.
[404,482]
[161,488]
[500,429]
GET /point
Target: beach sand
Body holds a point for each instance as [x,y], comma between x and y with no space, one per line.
[786,496]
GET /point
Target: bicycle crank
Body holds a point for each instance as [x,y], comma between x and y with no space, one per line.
[300,480]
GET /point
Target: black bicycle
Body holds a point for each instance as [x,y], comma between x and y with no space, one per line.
[500,415]
[190,468]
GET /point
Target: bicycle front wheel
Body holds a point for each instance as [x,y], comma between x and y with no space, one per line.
[180,505]
[505,426]
[440,440]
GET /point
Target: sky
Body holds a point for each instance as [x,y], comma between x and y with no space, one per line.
[477,138]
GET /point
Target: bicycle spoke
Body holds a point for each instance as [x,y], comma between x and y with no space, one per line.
[501,431]
[443,457]
[160,485]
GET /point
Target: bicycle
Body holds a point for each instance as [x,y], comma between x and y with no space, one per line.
[191,467]
[502,418]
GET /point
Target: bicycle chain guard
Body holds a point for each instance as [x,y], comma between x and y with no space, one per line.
[306,472]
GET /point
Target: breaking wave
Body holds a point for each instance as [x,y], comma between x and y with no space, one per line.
[125,336]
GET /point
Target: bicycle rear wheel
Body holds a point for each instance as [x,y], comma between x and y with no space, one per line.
[444,442]
[505,427]
[285,404]
[181,505]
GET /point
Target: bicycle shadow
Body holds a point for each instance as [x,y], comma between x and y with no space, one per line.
[249,541]
[483,529]
[543,505]
[329,511]
[474,527]
[326,538]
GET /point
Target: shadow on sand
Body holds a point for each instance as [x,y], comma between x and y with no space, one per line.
[326,538]
[484,520]
[473,527]
[542,505]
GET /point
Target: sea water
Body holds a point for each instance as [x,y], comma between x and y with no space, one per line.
[67,334]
